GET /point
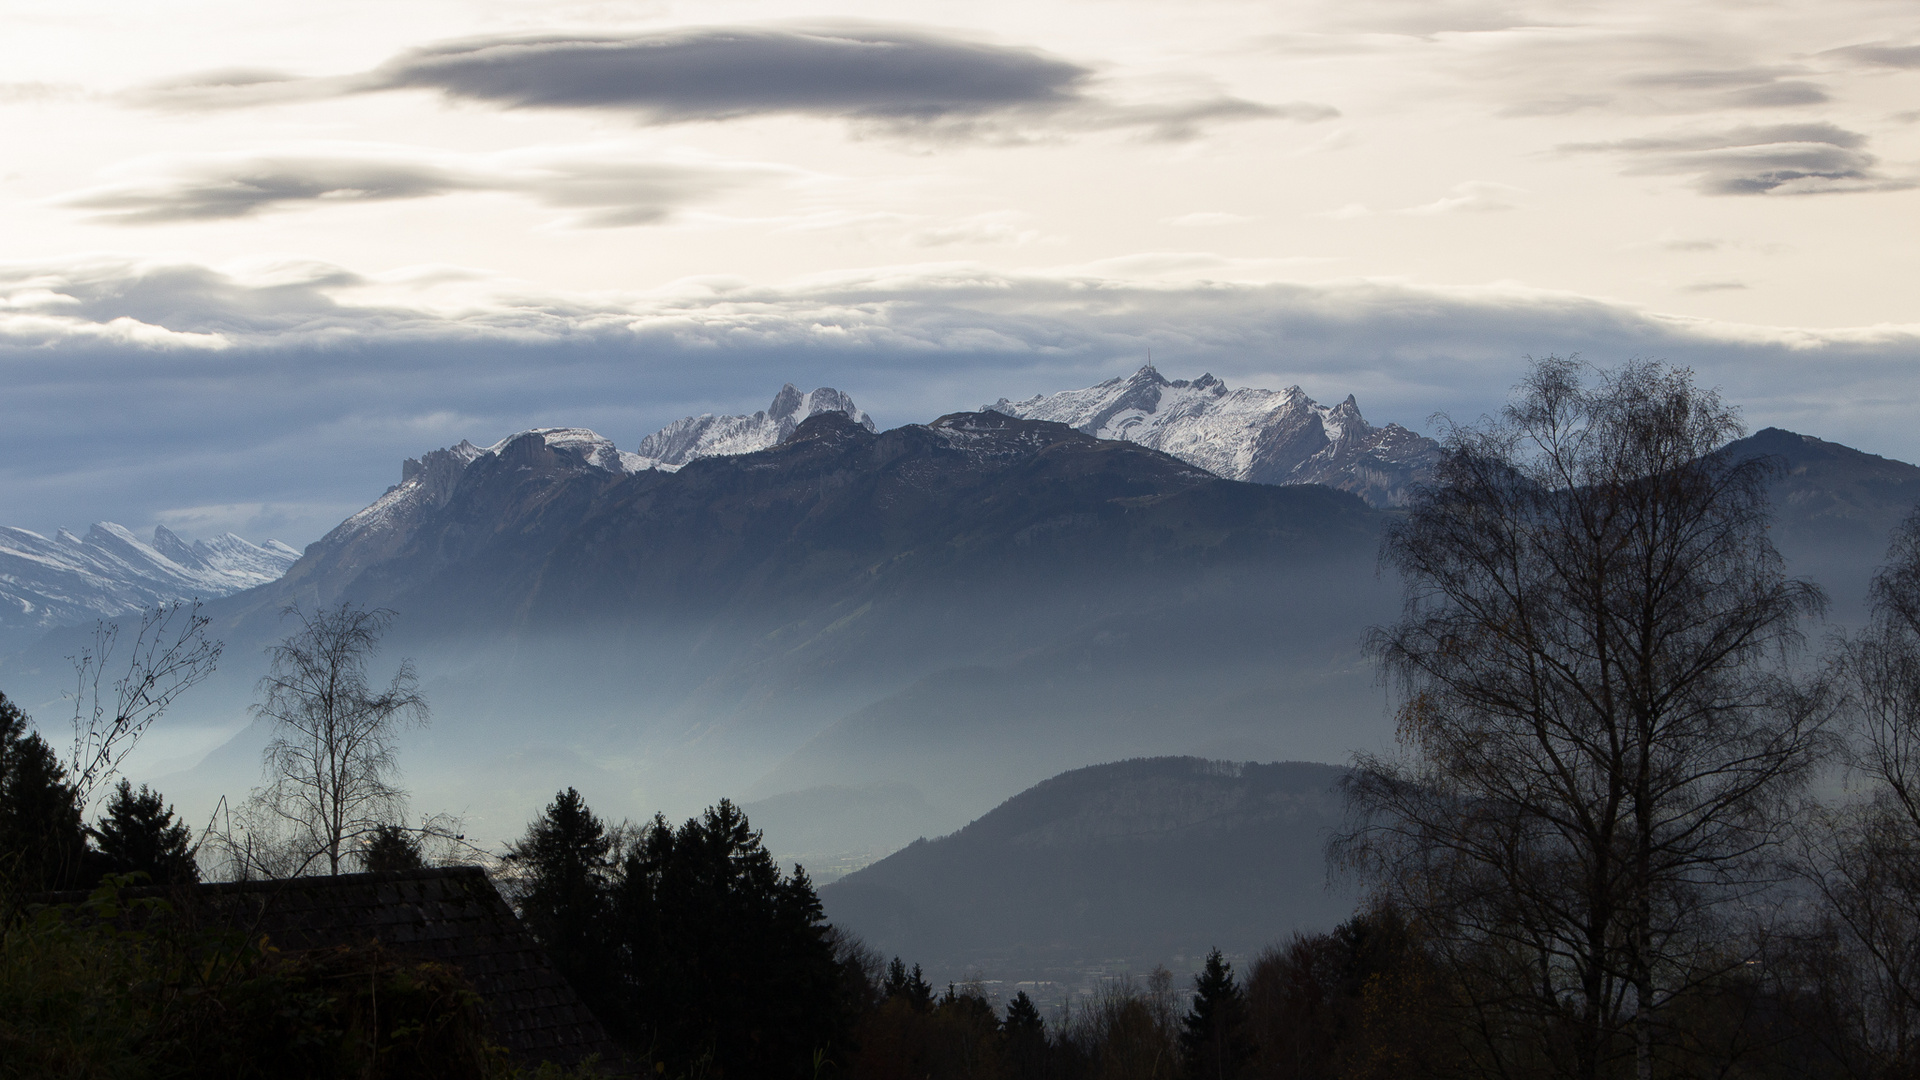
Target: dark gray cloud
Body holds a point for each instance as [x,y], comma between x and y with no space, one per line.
[1777,159]
[885,78]
[1879,54]
[712,74]
[601,189]
[1706,89]
[176,392]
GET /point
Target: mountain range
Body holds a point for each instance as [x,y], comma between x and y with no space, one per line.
[1261,436]
[966,607]
[72,580]
[1246,434]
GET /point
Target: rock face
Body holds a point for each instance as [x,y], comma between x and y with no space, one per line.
[709,436]
[1261,436]
[385,527]
[110,572]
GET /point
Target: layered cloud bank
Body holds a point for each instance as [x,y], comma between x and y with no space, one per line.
[274,399]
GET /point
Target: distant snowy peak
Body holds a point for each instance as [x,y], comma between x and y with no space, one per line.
[1263,436]
[110,572]
[427,483]
[714,436]
[589,447]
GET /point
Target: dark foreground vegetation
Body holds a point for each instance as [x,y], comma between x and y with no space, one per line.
[101,989]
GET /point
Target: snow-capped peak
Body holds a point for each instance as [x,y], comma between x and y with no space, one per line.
[707,435]
[1264,436]
[111,572]
[589,446]
[428,482]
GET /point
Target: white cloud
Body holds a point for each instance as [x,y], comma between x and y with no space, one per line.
[997,227]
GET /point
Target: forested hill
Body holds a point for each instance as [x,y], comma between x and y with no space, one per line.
[1129,864]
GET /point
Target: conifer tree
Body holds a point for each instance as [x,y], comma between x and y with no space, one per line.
[1023,1018]
[1026,1036]
[724,957]
[1215,1040]
[42,842]
[139,834]
[565,860]
[912,988]
[391,847]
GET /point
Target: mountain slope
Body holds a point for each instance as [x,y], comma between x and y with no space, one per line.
[1262,436]
[684,632]
[1834,511]
[388,524]
[1121,865]
[72,580]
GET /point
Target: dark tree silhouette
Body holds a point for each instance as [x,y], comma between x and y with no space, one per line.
[1864,855]
[723,957]
[564,865]
[1601,733]
[910,987]
[391,847]
[1026,1038]
[139,834]
[1214,1040]
[42,842]
[1023,1018]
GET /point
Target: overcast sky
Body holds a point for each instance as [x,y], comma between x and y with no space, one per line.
[254,254]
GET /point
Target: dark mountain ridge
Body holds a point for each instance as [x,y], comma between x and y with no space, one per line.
[1125,865]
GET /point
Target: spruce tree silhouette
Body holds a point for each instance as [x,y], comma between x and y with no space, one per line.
[138,834]
[42,843]
[912,988]
[564,862]
[1026,1038]
[391,847]
[724,959]
[1215,1040]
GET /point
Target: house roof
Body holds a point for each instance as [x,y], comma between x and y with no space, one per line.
[452,915]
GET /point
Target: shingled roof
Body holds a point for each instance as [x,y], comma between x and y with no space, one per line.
[452,915]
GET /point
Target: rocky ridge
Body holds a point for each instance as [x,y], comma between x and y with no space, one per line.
[1261,436]
[110,572]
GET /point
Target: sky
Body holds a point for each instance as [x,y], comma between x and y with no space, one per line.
[253,255]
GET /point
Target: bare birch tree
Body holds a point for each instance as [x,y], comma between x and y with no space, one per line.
[1600,732]
[332,777]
